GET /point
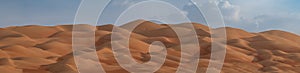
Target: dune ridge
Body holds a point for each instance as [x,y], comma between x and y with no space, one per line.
[48,49]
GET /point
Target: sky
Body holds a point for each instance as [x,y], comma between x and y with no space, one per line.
[250,15]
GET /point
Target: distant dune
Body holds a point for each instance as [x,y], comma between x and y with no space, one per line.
[48,49]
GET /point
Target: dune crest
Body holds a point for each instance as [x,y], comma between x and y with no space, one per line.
[48,49]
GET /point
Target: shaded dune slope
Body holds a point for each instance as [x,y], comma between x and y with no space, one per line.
[48,49]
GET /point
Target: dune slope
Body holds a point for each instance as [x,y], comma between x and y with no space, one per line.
[48,49]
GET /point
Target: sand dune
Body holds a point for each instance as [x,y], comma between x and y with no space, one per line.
[31,31]
[48,49]
[283,34]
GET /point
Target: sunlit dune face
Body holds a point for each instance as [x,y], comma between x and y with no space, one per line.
[48,49]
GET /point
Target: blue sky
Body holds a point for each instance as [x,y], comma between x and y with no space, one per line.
[251,15]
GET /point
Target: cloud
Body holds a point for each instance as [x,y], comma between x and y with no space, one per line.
[193,13]
[285,22]
[251,15]
[125,3]
[256,15]
[230,12]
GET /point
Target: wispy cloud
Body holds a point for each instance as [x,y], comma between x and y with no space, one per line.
[252,15]
[260,15]
[229,11]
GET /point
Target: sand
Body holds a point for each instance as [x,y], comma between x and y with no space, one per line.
[48,49]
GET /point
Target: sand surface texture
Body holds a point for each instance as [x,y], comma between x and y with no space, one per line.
[48,49]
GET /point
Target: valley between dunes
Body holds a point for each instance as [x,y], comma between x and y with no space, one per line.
[48,49]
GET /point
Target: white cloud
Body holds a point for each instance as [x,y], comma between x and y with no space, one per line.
[191,3]
[125,3]
[251,15]
[230,12]
[259,15]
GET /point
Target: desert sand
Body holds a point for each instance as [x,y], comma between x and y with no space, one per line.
[48,49]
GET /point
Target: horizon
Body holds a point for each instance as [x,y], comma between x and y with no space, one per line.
[149,36]
[152,22]
[253,16]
